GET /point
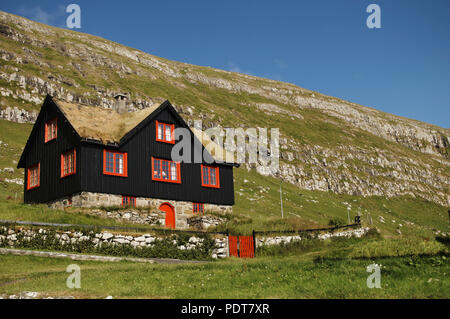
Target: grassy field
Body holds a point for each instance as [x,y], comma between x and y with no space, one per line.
[309,270]
[414,263]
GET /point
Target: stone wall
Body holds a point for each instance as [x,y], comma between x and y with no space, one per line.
[10,237]
[183,209]
[277,240]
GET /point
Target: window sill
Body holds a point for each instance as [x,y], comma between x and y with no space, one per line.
[70,174]
[166,181]
[115,174]
[211,186]
[53,139]
[164,141]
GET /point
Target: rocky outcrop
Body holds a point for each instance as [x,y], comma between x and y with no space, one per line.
[204,222]
[18,115]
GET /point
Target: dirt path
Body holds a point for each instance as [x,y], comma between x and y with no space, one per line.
[94,257]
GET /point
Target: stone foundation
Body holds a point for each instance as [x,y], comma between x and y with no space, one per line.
[183,209]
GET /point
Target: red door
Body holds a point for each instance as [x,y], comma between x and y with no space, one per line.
[170,214]
[233,245]
[246,249]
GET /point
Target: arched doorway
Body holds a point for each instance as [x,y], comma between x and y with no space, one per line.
[170,214]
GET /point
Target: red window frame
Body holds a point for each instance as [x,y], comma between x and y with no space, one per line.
[209,169]
[163,139]
[64,158]
[53,123]
[128,201]
[161,163]
[115,155]
[30,169]
[198,208]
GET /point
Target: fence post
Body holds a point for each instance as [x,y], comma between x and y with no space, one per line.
[228,242]
[254,243]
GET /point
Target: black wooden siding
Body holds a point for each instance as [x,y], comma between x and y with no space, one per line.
[52,186]
[89,166]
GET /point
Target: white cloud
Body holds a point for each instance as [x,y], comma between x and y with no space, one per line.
[54,17]
[233,67]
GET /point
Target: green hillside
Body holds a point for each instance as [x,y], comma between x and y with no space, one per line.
[335,154]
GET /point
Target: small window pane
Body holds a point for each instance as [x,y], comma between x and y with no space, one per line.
[160,131]
[119,163]
[173,171]
[168,133]
[156,168]
[205,175]
[213,175]
[165,169]
[109,162]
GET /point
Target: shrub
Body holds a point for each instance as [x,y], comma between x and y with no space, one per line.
[336,221]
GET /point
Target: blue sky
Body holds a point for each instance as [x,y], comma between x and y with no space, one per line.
[402,68]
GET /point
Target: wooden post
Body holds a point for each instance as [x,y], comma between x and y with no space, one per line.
[254,243]
[281,202]
[228,240]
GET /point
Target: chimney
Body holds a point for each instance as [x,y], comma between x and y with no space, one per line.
[120,106]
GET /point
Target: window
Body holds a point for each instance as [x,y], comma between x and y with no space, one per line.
[128,201]
[51,130]
[165,171]
[210,176]
[164,132]
[197,208]
[68,163]
[115,163]
[34,176]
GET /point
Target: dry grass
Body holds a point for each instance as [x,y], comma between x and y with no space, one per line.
[218,153]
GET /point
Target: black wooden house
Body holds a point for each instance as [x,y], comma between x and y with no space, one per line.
[82,155]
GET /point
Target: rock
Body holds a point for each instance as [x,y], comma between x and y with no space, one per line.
[121,241]
[28,295]
[126,216]
[107,236]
